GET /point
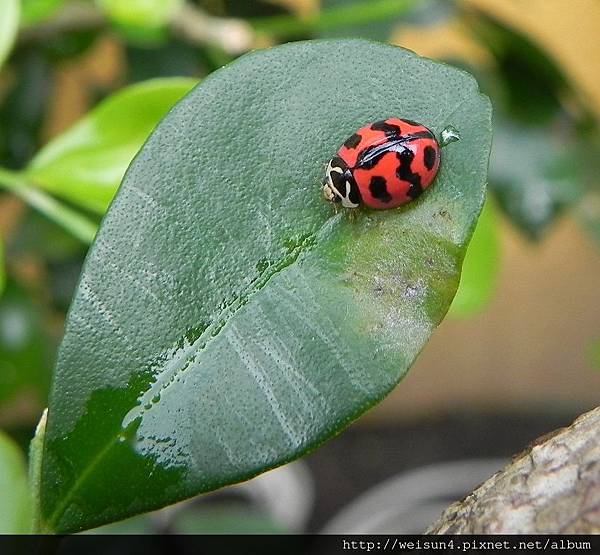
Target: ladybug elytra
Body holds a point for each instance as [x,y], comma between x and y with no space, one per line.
[383,165]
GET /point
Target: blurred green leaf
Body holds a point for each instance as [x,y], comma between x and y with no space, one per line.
[534,174]
[380,29]
[341,16]
[480,267]
[535,87]
[141,19]
[15,500]
[69,44]
[24,346]
[9,25]
[423,12]
[227,321]
[86,164]
[35,11]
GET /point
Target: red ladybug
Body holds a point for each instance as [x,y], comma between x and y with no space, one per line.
[383,165]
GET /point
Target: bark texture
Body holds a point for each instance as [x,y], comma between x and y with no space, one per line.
[553,487]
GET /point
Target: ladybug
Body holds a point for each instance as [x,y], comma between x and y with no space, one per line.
[383,165]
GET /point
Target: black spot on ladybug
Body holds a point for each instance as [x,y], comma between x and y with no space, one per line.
[411,122]
[389,129]
[353,141]
[378,188]
[404,172]
[429,156]
[354,196]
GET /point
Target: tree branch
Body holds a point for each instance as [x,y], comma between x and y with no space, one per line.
[233,36]
[553,487]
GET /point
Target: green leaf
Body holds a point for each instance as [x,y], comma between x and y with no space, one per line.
[480,268]
[534,175]
[86,164]
[9,25]
[15,500]
[141,13]
[378,29]
[35,11]
[227,321]
[539,97]
[371,23]
[141,19]
[342,15]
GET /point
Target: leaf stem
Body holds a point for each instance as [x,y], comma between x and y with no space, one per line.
[72,221]
[334,18]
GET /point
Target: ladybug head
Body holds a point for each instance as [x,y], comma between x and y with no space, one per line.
[339,184]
